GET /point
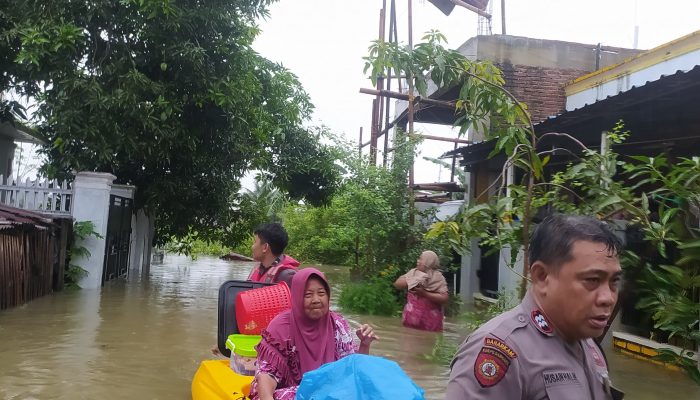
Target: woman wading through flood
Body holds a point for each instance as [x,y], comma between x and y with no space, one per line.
[427,293]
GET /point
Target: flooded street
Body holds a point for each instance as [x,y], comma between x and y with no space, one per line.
[145,339]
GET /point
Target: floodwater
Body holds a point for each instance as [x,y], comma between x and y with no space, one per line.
[144,340]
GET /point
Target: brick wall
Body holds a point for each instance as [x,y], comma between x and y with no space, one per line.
[542,89]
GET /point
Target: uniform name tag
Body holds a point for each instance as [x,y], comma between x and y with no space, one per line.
[559,378]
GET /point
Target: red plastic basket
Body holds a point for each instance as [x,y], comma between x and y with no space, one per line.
[255,308]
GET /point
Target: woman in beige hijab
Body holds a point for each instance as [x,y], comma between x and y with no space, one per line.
[427,293]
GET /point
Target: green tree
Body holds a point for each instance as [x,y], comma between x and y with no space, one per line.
[667,216]
[305,163]
[482,104]
[367,223]
[266,199]
[10,109]
[167,95]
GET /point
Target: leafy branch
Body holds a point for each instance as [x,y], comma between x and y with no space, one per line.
[74,272]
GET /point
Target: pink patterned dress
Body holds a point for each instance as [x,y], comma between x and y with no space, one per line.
[287,373]
[421,313]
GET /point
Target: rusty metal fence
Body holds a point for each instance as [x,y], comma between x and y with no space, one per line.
[26,268]
[32,256]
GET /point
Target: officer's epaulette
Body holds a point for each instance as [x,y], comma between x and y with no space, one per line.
[512,320]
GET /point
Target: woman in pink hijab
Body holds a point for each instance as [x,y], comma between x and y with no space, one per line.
[303,338]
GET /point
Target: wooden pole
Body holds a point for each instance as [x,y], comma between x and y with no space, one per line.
[396,39]
[410,112]
[380,79]
[385,130]
[444,139]
[377,104]
[3,279]
[359,145]
[416,99]
[373,134]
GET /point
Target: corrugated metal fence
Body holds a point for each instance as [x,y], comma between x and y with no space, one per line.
[32,256]
[26,267]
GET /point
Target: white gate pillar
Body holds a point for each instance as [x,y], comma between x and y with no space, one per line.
[91,203]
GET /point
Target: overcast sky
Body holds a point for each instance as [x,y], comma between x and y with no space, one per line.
[323,42]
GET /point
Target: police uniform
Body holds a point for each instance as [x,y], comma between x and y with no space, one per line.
[517,355]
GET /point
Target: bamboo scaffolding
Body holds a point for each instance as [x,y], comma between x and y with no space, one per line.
[416,99]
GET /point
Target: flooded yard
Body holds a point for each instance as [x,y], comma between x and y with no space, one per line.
[144,339]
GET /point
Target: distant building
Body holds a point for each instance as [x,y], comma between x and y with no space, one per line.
[9,135]
[536,71]
[656,93]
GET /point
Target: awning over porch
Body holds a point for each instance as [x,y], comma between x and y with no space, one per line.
[661,115]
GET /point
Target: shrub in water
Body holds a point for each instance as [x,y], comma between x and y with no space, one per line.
[374,297]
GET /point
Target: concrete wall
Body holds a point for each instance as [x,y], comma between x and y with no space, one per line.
[518,50]
[469,281]
[143,228]
[509,278]
[536,70]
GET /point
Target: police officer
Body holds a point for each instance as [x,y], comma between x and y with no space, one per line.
[543,348]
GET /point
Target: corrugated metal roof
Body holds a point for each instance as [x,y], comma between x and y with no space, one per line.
[670,100]
[655,56]
[19,133]
[660,90]
[17,216]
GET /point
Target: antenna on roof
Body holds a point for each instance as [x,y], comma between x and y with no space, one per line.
[503,17]
[484,27]
[636,27]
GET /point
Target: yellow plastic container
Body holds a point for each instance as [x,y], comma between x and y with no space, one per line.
[215,380]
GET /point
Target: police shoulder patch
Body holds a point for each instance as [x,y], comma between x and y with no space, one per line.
[490,366]
[541,322]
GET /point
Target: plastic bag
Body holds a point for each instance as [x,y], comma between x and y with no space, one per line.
[358,377]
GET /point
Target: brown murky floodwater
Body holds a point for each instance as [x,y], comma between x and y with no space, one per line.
[145,339]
